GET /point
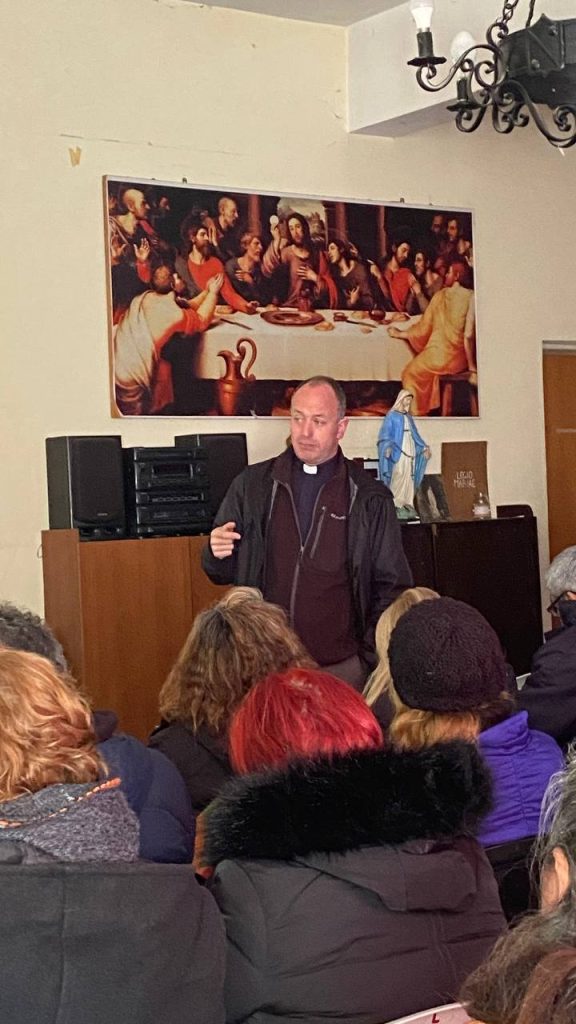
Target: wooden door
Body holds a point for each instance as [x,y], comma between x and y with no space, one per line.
[560,423]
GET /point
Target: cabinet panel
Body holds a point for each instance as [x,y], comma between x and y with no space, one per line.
[418,544]
[122,610]
[494,567]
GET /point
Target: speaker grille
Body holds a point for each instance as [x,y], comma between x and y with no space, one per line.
[86,485]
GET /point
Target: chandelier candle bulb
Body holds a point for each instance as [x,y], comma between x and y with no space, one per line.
[422,11]
[514,75]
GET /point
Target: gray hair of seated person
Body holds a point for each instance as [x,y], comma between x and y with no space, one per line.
[561,575]
[531,973]
[22,630]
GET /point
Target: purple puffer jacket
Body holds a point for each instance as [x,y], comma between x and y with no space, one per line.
[521,761]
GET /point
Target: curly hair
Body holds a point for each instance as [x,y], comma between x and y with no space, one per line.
[46,731]
[380,680]
[22,630]
[231,645]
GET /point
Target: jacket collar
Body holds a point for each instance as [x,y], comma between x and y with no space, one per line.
[364,798]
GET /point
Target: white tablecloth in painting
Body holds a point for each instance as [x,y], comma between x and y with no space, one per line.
[351,351]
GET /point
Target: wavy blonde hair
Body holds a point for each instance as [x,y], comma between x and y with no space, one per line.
[231,645]
[411,729]
[380,682]
[46,732]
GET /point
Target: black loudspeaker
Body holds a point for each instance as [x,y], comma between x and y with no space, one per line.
[86,486]
[227,457]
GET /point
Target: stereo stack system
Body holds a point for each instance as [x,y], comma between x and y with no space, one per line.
[107,492]
[227,456]
[168,491]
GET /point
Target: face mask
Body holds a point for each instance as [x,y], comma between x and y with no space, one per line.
[567,611]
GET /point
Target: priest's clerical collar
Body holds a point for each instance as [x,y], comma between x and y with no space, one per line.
[326,469]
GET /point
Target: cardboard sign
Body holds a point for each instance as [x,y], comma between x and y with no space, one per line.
[465,475]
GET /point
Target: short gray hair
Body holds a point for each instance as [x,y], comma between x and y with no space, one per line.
[561,575]
[22,630]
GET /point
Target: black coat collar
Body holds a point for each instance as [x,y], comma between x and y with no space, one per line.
[365,798]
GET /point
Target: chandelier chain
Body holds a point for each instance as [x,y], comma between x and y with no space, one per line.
[530,13]
[508,12]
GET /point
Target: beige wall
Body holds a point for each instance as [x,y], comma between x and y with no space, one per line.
[152,90]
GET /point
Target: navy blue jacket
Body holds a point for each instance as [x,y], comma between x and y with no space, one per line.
[549,693]
[155,791]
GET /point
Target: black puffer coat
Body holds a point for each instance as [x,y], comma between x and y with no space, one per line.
[351,889]
[200,757]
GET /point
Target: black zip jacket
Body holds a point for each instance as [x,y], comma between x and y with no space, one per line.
[377,565]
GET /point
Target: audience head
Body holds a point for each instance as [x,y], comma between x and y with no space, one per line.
[300,713]
[46,732]
[448,674]
[380,680]
[21,630]
[561,578]
[231,646]
[531,973]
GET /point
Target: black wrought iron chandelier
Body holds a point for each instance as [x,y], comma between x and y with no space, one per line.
[513,75]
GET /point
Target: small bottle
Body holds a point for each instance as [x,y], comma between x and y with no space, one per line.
[481,507]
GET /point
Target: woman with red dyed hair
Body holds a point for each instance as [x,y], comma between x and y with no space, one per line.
[347,874]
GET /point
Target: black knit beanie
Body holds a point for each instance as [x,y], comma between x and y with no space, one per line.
[445,657]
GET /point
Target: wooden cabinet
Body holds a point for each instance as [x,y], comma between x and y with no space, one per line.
[492,565]
[122,609]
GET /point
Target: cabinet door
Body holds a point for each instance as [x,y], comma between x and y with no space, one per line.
[494,567]
[417,541]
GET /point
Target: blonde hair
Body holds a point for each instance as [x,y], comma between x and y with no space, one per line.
[232,645]
[46,731]
[413,729]
[380,682]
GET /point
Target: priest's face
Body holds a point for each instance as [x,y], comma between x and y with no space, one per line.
[316,426]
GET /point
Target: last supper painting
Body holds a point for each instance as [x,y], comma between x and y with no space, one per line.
[221,301]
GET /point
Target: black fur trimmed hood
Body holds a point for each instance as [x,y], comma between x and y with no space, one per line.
[338,804]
